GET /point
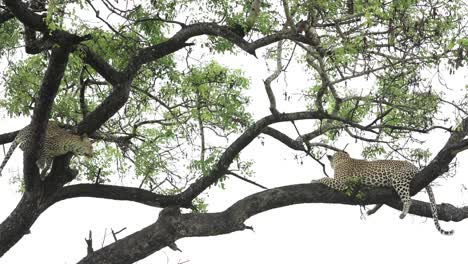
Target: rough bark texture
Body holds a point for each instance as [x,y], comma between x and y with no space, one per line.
[43,106]
[173,225]
[19,221]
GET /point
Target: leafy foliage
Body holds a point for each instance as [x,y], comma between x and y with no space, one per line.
[182,112]
[10,35]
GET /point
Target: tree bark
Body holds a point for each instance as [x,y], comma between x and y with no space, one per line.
[19,221]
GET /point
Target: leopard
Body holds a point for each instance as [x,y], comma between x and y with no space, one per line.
[380,173]
[57,142]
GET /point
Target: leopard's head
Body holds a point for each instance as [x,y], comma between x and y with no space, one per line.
[86,147]
[338,157]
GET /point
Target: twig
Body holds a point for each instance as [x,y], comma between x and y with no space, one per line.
[89,243]
[114,234]
[104,238]
[272,77]
[308,149]
[308,152]
[83,83]
[98,177]
[246,180]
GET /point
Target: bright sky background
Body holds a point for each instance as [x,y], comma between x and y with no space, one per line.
[306,233]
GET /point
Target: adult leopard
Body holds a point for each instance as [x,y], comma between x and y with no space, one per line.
[57,142]
[382,173]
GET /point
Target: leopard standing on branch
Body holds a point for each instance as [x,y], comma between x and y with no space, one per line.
[381,173]
[57,142]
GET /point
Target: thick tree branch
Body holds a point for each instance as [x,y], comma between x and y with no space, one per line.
[253,131]
[36,22]
[228,33]
[171,225]
[113,192]
[446,212]
[21,11]
[19,221]
[27,211]
[117,98]
[462,146]
[440,163]
[34,45]
[8,137]
[43,105]
[101,66]
[154,53]
[177,42]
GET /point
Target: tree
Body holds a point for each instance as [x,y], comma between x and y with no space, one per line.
[179,125]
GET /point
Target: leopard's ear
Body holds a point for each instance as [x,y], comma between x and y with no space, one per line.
[85,136]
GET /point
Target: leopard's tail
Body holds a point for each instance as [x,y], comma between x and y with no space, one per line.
[12,148]
[434,212]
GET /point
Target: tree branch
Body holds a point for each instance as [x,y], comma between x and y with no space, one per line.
[283,138]
[171,225]
[177,42]
[8,137]
[111,105]
[21,11]
[43,106]
[440,163]
[445,212]
[274,75]
[221,167]
[113,192]
[30,19]
[19,221]
[101,66]
[27,210]
[34,45]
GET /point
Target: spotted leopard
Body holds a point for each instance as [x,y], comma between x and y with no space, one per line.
[382,173]
[57,142]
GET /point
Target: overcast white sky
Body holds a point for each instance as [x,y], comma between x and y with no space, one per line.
[307,233]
